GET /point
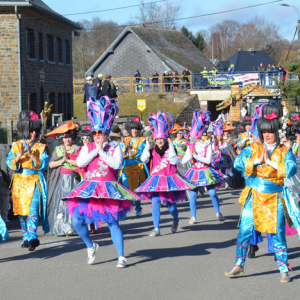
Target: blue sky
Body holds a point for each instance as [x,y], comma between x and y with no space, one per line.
[284,17]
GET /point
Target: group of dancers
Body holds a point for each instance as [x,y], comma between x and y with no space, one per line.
[102,181]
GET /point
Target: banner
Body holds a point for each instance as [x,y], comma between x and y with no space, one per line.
[225,80]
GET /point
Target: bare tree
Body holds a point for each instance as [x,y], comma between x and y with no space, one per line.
[158,16]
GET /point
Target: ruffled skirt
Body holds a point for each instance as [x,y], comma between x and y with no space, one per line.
[223,162]
[205,177]
[167,188]
[101,201]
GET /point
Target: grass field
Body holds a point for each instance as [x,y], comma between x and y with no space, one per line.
[128,105]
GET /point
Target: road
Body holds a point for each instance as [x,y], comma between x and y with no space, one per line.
[189,264]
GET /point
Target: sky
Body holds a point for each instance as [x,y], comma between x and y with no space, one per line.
[284,17]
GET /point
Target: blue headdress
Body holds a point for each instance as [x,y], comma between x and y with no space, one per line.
[159,124]
[102,113]
[256,116]
[200,122]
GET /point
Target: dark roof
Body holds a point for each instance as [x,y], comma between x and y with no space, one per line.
[223,65]
[40,5]
[249,60]
[168,45]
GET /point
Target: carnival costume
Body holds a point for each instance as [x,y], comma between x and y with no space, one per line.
[266,201]
[100,197]
[201,174]
[134,172]
[164,184]
[3,230]
[29,187]
[61,179]
[220,158]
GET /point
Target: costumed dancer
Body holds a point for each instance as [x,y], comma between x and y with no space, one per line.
[61,179]
[3,230]
[29,159]
[134,172]
[180,144]
[100,197]
[245,138]
[201,173]
[164,185]
[266,201]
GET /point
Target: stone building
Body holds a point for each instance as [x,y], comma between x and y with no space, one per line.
[35,59]
[149,50]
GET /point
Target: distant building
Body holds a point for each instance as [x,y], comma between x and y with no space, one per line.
[35,59]
[149,50]
[246,61]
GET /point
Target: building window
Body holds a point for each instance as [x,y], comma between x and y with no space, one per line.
[52,101]
[68,52]
[69,109]
[30,35]
[60,103]
[41,46]
[50,48]
[59,50]
[33,105]
[65,106]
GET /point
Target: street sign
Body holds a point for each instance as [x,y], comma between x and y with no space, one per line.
[141,104]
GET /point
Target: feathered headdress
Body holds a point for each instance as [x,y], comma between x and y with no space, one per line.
[102,113]
[200,122]
[159,124]
[256,116]
[218,127]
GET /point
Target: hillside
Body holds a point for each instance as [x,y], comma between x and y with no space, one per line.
[128,105]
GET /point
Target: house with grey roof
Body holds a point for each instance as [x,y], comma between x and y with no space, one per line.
[149,50]
[35,59]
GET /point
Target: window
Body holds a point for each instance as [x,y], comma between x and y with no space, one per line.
[68,52]
[59,50]
[50,48]
[52,101]
[41,46]
[30,35]
[33,105]
[65,106]
[69,106]
[60,103]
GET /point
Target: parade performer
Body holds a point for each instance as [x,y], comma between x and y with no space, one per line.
[164,185]
[220,160]
[266,201]
[201,173]
[3,230]
[61,179]
[100,197]
[134,172]
[29,159]
[245,138]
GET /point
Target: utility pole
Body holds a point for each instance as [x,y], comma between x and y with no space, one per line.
[298,25]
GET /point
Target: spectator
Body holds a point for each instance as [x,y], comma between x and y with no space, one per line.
[283,73]
[155,81]
[98,86]
[116,134]
[170,86]
[175,81]
[92,88]
[106,87]
[232,68]
[137,76]
[185,78]
[261,75]
[204,72]
[167,80]
[113,89]
[221,116]
[86,89]
[147,81]
[140,86]
[269,69]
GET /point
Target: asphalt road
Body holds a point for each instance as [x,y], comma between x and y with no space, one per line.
[189,264]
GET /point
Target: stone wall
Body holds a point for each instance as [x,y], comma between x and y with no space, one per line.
[186,112]
[42,79]
[9,80]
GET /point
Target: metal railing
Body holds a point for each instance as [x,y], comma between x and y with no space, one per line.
[223,80]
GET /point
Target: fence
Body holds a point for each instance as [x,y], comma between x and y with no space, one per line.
[130,84]
[9,133]
[222,80]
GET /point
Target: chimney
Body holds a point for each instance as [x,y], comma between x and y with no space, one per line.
[251,50]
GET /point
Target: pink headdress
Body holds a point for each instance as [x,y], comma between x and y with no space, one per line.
[159,124]
[218,127]
[200,122]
